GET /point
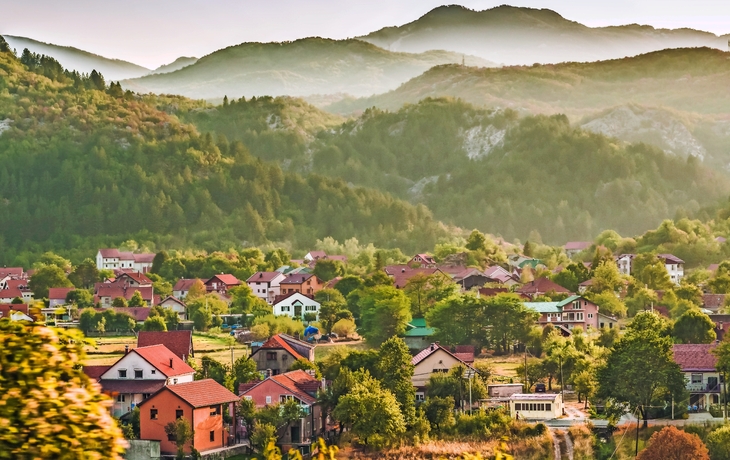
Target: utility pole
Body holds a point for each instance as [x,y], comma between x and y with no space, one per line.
[637,433]
[724,383]
[527,388]
[672,407]
[562,384]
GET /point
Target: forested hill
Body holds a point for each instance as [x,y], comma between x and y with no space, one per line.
[299,68]
[522,36]
[79,60]
[85,165]
[690,80]
[478,168]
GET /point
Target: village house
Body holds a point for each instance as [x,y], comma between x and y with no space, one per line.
[623,262]
[266,285]
[536,406]
[8,295]
[176,305]
[298,386]
[497,274]
[422,260]
[575,311]
[107,292]
[221,283]
[674,266]
[279,353]
[201,403]
[418,334]
[313,256]
[541,286]
[401,274]
[178,342]
[713,302]
[57,296]
[432,360]
[112,259]
[573,248]
[181,288]
[15,312]
[305,283]
[141,372]
[470,278]
[296,305]
[704,383]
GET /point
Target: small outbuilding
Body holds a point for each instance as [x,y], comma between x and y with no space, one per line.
[536,406]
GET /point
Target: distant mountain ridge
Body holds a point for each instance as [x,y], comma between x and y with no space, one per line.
[521,36]
[177,64]
[80,60]
[299,68]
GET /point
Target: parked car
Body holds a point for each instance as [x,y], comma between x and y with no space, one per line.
[540,388]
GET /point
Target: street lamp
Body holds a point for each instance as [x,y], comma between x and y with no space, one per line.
[469,374]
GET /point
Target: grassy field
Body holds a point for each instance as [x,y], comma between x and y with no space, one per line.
[503,367]
[323,350]
[107,350]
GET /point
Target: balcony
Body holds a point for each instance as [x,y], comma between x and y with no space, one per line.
[704,388]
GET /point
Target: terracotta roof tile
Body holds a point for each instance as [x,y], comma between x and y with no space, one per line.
[228,280]
[428,351]
[11,293]
[95,372]
[131,386]
[276,342]
[542,286]
[262,277]
[179,342]
[202,393]
[184,284]
[109,253]
[160,356]
[59,293]
[695,357]
[297,278]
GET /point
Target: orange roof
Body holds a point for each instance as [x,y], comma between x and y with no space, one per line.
[59,293]
[160,356]
[202,393]
[228,280]
[276,342]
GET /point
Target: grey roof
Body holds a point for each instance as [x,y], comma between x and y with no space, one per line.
[544,307]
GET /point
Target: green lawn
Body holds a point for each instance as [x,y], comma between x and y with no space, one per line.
[323,350]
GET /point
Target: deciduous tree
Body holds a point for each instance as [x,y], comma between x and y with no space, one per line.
[694,327]
[46,277]
[385,311]
[672,444]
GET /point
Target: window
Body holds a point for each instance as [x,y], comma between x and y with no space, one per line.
[145,395]
[285,308]
[154,371]
[268,400]
[590,315]
[153,414]
[215,410]
[284,357]
[212,436]
[579,316]
[696,378]
[518,406]
[310,308]
[178,414]
[122,373]
[174,381]
[271,356]
[137,373]
[420,397]
[120,398]
[171,437]
[548,407]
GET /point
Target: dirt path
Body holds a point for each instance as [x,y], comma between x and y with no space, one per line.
[556,445]
[568,446]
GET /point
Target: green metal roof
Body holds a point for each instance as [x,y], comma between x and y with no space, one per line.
[420,332]
[543,307]
[570,299]
[417,322]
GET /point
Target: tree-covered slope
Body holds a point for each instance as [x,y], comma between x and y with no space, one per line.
[79,60]
[299,68]
[84,164]
[522,36]
[494,170]
[690,80]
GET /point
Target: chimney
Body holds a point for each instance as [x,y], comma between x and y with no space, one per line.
[261,275]
[324,384]
[170,363]
[126,349]
[433,346]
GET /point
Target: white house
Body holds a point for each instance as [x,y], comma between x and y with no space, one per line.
[296,305]
[674,266]
[536,406]
[176,305]
[183,285]
[266,285]
[141,372]
[624,263]
[113,259]
[431,360]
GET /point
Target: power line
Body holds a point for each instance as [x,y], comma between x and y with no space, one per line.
[623,435]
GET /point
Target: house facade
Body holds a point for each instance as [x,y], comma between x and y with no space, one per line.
[180,343]
[541,286]
[704,383]
[141,372]
[221,283]
[305,283]
[176,305]
[279,353]
[113,259]
[573,248]
[674,266]
[296,305]
[432,360]
[575,311]
[57,296]
[181,288]
[536,406]
[266,285]
[302,388]
[201,402]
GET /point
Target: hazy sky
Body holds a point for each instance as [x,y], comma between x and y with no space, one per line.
[155,32]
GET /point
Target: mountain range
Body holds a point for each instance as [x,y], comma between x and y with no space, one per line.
[299,68]
[512,35]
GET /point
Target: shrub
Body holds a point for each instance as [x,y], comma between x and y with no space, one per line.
[718,443]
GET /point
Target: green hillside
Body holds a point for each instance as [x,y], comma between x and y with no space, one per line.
[79,60]
[483,169]
[522,36]
[84,165]
[690,80]
[299,68]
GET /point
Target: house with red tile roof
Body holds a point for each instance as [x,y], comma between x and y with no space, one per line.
[113,259]
[422,260]
[179,342]
[401,274]
[266,285]
[497,274]
[313,256]
[703,380]
[141,372]
[573,248]
[221,283]
[181,288]
[541,286]
[133,279]
[306,283]
[57,296]
[105,293]
[176,305]
[15,312]
[8,295]
[301,387]
[94,373]
[277,354]
[201,402]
